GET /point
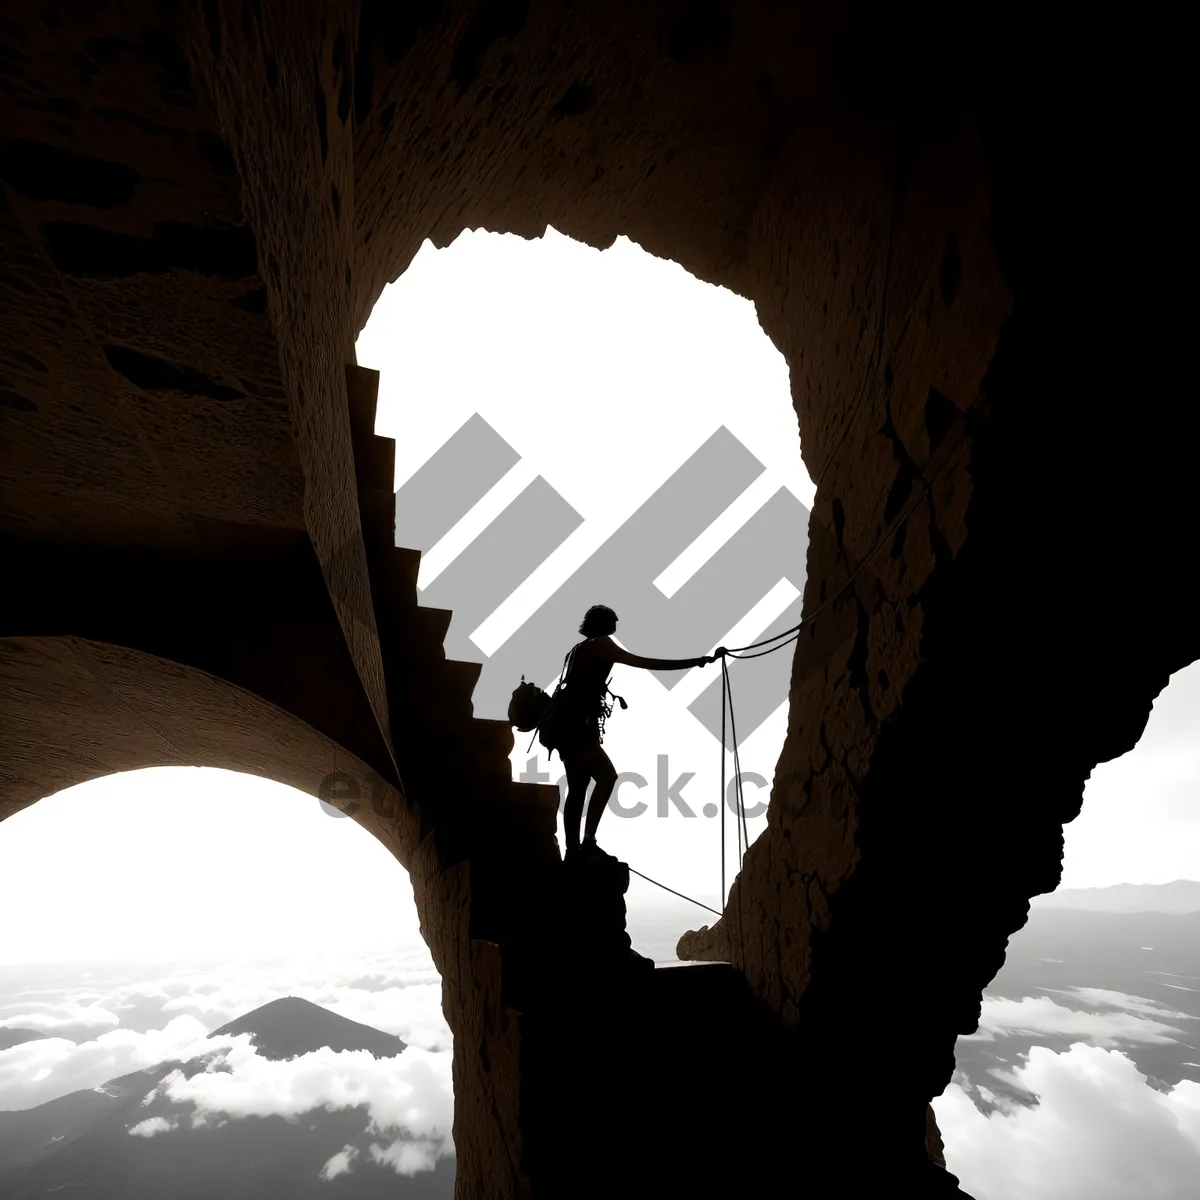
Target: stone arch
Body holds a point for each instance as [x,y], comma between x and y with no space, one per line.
[914,205]
[77,710]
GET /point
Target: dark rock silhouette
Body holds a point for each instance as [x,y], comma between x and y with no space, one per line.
[966,241]
[706,944]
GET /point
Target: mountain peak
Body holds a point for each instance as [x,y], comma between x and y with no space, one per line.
[291,1026]
[11,1036]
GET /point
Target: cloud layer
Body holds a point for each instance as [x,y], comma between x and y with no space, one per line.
[1127,1019]
[35,1072]
[120,1025]
[75,1018]
[409,1098]
[1099,1131]
[151,1126]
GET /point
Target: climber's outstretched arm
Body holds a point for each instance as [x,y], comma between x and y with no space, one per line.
[655,664]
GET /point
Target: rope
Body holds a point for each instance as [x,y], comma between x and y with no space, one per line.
[724,692]
[743,829]
[674,892]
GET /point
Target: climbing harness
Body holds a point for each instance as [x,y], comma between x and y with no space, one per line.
[532,709]
[606,707]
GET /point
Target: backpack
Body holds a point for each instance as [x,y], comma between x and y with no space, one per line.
[527,706]
[532,709]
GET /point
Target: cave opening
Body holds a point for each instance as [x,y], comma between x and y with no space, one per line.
[577,425]
[914,207]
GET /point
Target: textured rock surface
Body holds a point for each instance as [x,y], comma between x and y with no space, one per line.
[709,943]
[933,1138]
[962,237]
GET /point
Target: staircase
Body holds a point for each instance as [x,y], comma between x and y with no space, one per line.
[545,957]
[453,765]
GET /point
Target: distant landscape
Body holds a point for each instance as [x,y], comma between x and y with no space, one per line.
[297,1101]
[1082,1081]
[130,1139]
[1180,896]
[1136,973]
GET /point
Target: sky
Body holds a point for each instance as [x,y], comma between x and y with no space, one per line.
[1140,821]
[197,894]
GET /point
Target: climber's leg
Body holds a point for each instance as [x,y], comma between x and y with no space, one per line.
[605,775]
[579,775]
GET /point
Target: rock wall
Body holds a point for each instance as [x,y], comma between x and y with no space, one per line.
[953,230]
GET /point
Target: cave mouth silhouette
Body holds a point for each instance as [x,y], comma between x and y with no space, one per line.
[951,251]
[642,362]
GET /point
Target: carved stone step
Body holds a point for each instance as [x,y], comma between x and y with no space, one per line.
[401,568]
[375,464]
[362,398]
[496,738]
[416,634]
[374,457]
[377,512]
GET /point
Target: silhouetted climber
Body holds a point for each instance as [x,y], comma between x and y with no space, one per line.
[574,724]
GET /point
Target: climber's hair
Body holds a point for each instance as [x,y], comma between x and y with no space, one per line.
[598,621]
